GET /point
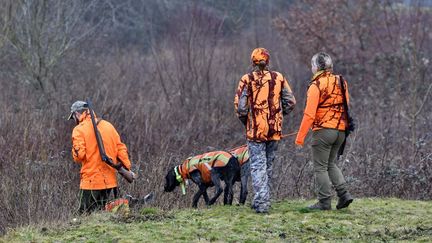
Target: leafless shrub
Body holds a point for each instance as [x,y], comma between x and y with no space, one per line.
[42,31]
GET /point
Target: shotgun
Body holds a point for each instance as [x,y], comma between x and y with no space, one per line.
[127,174]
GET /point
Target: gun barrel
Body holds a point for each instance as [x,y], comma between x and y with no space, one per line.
[97,134]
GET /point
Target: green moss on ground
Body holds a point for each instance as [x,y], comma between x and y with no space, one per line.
[366,220]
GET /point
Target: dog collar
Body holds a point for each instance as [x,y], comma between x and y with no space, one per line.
[180,180]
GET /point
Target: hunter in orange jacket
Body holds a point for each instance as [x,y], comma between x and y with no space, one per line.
[324,106]
[96,174]
[326,114]
[262,98]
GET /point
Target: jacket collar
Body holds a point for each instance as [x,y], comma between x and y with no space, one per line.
[321,73]
[86,117]
[180,179]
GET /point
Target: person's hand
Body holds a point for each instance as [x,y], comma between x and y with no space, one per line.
[298,148]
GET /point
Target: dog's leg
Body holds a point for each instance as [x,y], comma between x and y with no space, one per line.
[228,195]
[196,178]
[215,177]
[243,189]
[196,198]
[231,173]
[245,172]
[206,197]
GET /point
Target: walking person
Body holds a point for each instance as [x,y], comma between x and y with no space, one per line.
[262,98]
[325,113]
[98,179]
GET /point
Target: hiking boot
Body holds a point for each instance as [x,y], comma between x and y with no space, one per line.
[323,204]
[261,211]
[344,201]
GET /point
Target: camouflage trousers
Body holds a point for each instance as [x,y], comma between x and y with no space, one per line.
[262,155]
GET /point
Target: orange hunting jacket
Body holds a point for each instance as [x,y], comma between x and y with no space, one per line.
[204,163]
[96,174]
[324,105]
[262,97]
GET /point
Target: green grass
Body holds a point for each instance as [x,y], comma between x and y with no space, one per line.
[366,220]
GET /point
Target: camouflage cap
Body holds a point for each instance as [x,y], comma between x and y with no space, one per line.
[260,54]
[77,106]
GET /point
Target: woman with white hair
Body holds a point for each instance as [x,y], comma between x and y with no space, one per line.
[325,113]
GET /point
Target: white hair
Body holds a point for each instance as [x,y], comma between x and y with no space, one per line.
[321,61]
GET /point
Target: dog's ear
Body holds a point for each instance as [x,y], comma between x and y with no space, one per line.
[171,168]
[170,173]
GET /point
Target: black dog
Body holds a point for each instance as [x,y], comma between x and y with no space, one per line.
[206,170]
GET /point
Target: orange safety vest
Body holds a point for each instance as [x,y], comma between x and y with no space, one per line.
[241,153]
[324,105]
[330,111]
[116,204]
[204,163]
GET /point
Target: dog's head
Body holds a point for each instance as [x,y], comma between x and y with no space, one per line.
[171,181]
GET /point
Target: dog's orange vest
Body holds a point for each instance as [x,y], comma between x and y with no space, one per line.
[204,163]
[241,153]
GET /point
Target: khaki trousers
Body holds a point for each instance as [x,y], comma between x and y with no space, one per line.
[325,145]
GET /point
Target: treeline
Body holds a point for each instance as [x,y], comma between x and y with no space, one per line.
[165,72]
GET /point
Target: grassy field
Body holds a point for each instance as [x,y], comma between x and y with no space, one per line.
[366,220]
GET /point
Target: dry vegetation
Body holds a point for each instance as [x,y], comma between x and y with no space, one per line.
[165,72]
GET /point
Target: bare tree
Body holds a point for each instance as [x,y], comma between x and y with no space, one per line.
[42,31]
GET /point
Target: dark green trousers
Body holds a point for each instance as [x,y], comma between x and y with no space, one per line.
[91,200]
[325,145]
